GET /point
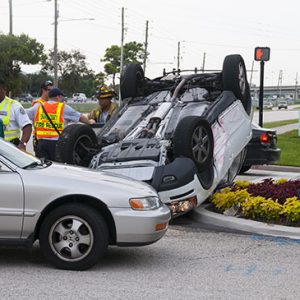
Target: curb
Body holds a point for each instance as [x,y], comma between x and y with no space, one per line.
[205,217]
[276,168]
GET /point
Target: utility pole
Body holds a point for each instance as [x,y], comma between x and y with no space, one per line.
[146,47]
[10,18]
[178,56]
[203,62]
[122,52]
[279,82]
[55,43]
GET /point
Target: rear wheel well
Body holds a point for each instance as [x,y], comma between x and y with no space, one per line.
[97,204]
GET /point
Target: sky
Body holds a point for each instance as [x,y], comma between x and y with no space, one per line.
[216,28]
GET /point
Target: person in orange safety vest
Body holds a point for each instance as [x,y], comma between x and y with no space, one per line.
[46,86]
[47,132]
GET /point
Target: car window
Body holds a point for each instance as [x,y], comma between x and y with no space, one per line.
[14,155]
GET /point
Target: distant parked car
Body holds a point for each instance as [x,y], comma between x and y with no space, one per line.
[79,97]
[25,98]
[282,104]
[262,149]
[75,213]
[268,105]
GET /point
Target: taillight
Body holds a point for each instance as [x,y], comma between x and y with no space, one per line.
[264,138]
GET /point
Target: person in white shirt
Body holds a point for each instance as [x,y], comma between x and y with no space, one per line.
[14,119]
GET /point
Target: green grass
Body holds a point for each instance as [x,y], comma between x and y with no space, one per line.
[289,143]
[84,107]
[280,123]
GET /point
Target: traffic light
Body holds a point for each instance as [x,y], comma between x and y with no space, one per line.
[262,53]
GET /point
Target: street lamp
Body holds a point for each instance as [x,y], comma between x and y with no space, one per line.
[56,15]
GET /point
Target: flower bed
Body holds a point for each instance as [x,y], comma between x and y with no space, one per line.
[276,201]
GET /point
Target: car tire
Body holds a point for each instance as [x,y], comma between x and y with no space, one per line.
[73,144]
[193,138]
[73,237]
[235,79]
[132,81]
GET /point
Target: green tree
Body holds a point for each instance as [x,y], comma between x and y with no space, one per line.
[15,51]
[133,53]
[72,69]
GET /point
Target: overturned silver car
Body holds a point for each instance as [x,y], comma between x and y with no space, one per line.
[184,134]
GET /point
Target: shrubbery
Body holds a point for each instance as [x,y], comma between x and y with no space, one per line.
[269,200]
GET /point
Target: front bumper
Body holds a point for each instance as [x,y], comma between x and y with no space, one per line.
[135,228]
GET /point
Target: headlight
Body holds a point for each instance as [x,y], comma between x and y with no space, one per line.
[147,203]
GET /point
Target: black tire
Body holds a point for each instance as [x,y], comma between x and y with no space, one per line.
[73,144]
[244,169]
[73,237]
[235,79]
[193,138]
[132,81]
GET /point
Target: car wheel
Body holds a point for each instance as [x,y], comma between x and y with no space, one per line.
[235,79]
[75,143]
[193,138]
[132,81]
[73,237]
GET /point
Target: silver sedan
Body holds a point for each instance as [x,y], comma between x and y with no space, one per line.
[75,213]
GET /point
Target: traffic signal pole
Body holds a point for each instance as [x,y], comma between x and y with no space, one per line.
[261,54]
[261,93]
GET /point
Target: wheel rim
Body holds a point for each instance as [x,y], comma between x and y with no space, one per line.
[71,238]
[242,79]
[200,144]
[81,148]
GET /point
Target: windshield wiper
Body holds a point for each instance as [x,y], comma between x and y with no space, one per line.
[40,163]
[33,165]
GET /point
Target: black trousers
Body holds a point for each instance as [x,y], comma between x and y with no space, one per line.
[46,149]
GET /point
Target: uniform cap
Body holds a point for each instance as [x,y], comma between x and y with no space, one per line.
[55,92]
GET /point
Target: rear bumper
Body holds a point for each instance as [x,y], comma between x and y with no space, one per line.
[136,228]
[261,156]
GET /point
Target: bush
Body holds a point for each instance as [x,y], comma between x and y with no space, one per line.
[226,198]
[260,208]
[291,209]
[269,200]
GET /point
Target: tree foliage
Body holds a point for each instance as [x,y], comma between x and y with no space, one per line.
[72,70]
[15,51]
[133,53]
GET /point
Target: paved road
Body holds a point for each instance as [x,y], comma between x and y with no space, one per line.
[189,262]
[278,115]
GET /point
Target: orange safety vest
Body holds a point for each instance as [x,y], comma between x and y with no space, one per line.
[43,128]
[39,100]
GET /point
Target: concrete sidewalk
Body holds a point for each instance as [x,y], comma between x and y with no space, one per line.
[286,128]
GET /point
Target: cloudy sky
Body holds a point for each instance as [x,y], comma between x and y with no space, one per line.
[216,28]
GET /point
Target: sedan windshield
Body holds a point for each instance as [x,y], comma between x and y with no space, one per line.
[16,156]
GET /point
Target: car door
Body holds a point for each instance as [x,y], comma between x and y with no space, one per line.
[11,203]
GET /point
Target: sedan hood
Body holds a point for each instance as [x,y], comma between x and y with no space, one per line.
[57,180]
